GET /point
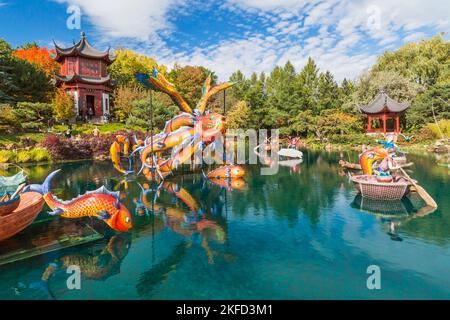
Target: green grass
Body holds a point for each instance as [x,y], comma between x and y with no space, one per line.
[77,129]
[88,127]
[17,138]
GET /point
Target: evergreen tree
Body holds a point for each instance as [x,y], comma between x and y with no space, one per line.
[140,113]
[307,84]
[328,92]
[21,81]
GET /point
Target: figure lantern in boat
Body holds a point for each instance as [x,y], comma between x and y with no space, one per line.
[390,143]
[377,180]
[188,133]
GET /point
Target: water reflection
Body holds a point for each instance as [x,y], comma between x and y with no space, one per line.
[193,238]
[392,213]
[185,215]
[102,261]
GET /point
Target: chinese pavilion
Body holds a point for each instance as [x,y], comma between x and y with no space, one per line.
[84,74]
[383,114]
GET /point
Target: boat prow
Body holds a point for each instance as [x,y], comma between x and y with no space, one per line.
[31,204]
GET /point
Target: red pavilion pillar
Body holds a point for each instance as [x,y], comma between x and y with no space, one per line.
[369,123]
[384,122]
[397,123]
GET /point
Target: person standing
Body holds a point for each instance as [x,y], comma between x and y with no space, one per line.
[90,113]
[96,132]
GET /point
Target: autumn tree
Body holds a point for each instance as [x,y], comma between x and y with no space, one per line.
[238,116]
[38,56]
[21,80]
[124,96]
[128,63]
[63,105]
[189,82]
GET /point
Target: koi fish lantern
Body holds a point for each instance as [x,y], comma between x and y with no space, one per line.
[368,158]
[101,203]
[183,136]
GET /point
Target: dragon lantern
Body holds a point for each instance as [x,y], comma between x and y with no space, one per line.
[189,132]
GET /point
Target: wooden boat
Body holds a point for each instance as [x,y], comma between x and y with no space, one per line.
[9,206]
[370,187]
[31,204]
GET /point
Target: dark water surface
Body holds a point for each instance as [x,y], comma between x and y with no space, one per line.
[300,234]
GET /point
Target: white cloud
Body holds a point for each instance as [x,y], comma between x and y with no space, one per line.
[343,36]
[140,19]
[414,37]
[268,5]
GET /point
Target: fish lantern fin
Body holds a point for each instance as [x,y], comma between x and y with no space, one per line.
[103,215]
[117,204]
[56,212]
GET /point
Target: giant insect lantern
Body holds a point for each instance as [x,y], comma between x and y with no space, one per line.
[191,131]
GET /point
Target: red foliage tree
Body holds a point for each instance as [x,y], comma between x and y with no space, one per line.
[40,57]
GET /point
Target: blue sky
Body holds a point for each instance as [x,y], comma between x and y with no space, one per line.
[343,36]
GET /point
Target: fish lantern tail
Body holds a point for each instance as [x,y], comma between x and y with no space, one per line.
[45,187]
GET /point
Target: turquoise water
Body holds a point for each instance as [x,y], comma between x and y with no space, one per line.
[300,234]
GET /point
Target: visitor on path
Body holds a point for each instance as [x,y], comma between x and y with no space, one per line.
[68,133]
[96,132]
[50,124]
[90,114]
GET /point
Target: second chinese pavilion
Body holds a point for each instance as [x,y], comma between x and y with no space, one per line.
[383,114]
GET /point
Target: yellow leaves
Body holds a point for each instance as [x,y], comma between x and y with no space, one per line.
[124,96]
[63,105]
[128,63]
[238,116]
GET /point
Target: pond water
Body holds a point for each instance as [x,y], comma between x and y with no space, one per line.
[300,234]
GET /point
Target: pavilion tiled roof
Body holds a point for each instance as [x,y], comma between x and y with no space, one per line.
[83,79]
[383,102]
[85,49]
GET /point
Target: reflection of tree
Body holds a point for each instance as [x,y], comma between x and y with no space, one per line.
[289,193]
[435,180]
[161,271]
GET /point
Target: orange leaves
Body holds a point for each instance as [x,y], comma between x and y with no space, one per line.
[40,57]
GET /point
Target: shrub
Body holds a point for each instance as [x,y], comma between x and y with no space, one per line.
[9,122]
[425,134]
[41,155]
[86,147]
[443,129]
[24,156]
[66,149]
[7,156]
